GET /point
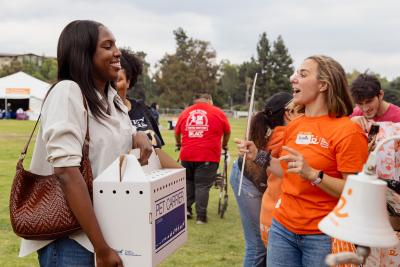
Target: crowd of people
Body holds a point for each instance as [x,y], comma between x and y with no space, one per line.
[324,143]
[9,113]
[301,149]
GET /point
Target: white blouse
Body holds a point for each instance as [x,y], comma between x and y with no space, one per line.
[61,136]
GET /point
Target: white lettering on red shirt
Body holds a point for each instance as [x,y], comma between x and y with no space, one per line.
[197,123]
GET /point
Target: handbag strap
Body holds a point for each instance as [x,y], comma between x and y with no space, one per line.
[87,136]
[85,148]
[23,152]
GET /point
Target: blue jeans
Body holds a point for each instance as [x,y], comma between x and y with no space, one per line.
[249,203]
[292,250]
[65,252]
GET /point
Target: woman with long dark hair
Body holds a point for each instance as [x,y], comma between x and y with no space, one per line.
[255,178]
[88,60]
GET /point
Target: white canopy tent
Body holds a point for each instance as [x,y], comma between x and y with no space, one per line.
[23,86]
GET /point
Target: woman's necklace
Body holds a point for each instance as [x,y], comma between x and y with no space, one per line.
[106,106]
[104,100]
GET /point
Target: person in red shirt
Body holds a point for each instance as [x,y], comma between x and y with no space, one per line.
[320,150]
[198,134]
[368,95]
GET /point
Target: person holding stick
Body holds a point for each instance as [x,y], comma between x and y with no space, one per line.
[254,179]
[273,191]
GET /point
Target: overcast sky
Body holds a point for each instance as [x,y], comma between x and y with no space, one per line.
[359,34]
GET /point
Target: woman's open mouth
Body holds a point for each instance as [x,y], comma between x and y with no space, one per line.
[116,64]
[295,91]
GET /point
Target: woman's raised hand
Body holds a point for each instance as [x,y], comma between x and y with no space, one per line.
[247,147]
[298,164]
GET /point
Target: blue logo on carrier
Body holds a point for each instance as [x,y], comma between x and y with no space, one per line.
[170,218]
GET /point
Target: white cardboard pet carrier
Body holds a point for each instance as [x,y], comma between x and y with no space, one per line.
[142,209]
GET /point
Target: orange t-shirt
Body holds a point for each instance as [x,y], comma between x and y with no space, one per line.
[273,191]
[333,145]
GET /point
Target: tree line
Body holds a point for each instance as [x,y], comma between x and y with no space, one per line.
[193,68]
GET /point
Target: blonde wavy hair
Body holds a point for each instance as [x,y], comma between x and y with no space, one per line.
[338,98]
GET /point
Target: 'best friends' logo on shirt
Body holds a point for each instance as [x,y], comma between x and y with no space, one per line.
[305,138]
[140,123]
[197,123]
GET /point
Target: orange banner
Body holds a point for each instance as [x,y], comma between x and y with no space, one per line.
[18,91]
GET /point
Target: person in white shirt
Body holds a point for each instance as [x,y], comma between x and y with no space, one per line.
[88,60]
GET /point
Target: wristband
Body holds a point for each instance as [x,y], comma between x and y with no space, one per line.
[262,159]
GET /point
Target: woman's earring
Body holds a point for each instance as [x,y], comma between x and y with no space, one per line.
[268,133]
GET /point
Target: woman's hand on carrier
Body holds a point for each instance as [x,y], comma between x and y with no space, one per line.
[246,147]
[141,141]
[108,257]
[297,164]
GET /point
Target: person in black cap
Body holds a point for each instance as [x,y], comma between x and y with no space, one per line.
[255,178]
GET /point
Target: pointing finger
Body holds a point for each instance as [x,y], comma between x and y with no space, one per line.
[287,158]
[291,150]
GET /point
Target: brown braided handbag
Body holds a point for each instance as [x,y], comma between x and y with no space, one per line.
[38,208]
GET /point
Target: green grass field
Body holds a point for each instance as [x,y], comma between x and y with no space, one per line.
[218,243]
